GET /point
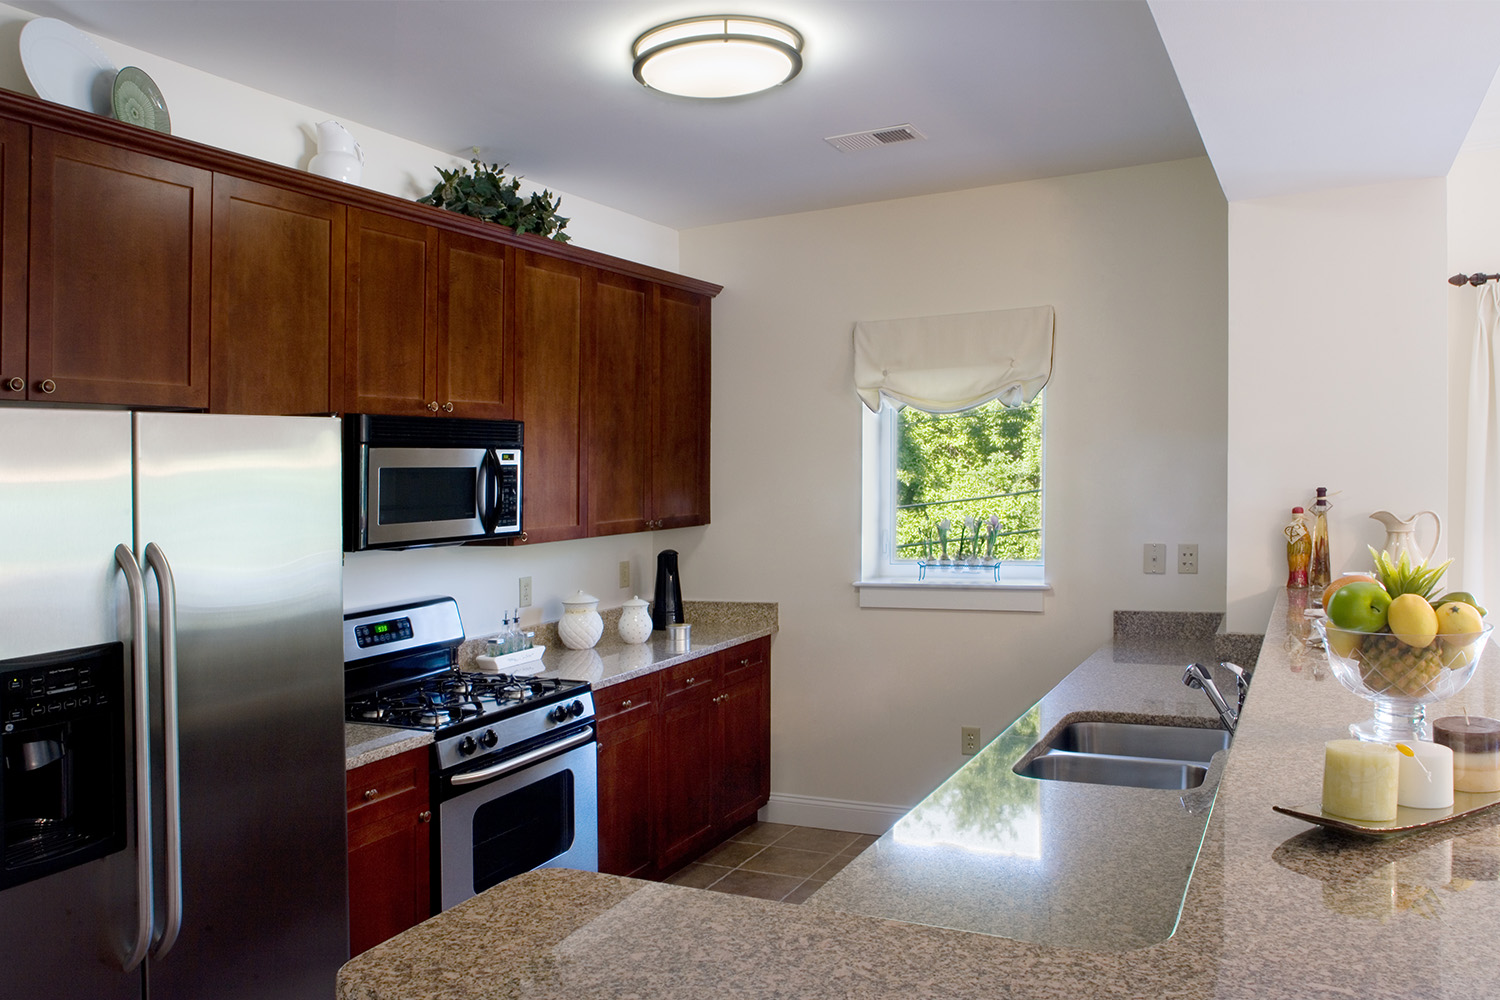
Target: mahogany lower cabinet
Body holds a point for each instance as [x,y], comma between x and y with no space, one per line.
[684,759]
[390,823]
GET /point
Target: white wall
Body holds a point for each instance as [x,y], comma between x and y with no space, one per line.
[1473,245]
[1337,373]
[228,115]
[867,704]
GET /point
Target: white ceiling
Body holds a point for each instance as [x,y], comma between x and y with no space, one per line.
[1286,94]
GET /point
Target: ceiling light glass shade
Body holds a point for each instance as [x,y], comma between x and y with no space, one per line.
[723,56]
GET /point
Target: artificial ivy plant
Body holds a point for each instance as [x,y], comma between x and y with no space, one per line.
[489,194]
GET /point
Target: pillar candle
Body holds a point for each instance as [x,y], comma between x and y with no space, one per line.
[1475,742]
[1425,779]
[1360,780]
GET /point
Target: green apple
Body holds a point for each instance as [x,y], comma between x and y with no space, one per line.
[1359,606]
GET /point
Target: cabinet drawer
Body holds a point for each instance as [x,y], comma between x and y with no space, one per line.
[384,787]
[747,656]
[694,673]
[637,696]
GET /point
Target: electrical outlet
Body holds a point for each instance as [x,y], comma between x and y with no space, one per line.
[625,574]
[970,737]
[1187,558]
[1155,558]
[525,591]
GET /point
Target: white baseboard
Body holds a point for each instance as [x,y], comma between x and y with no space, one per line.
[831,814]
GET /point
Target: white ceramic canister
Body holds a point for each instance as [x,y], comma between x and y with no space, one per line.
[580,626]
[635,621]
[339,156]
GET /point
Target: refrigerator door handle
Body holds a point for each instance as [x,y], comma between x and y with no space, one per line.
[156,561]
[140,669]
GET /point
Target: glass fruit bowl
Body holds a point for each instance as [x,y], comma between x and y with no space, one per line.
[1398,678]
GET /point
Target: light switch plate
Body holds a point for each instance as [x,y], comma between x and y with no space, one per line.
[625,574]
[525,592]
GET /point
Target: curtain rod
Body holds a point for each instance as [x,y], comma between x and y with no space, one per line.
[1476,279]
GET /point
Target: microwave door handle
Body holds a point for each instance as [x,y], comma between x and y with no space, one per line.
[156,560]
[488,490]
[140,671]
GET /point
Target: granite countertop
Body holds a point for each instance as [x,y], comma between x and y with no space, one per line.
[715,625]
[1275,908]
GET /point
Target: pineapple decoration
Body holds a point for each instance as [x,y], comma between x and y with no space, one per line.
[1403,637]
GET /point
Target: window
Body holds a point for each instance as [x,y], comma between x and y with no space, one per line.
[979,470]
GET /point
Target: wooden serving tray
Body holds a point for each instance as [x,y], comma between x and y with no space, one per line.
[1407,820]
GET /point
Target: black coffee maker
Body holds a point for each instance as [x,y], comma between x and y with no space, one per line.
[668,606]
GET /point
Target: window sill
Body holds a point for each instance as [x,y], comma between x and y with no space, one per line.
[954,595]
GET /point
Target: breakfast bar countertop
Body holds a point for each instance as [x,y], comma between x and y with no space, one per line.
[1275,908]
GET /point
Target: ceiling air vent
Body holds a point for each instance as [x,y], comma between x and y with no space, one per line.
[874,137]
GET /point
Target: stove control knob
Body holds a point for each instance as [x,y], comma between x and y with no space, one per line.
[489,739]
[558,714]
[466,746]
[575,709]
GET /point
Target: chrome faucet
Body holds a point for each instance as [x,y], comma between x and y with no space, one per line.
[1197,676]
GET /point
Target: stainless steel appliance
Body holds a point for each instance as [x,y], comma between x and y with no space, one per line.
[412,481]
[205,550]
[515,763]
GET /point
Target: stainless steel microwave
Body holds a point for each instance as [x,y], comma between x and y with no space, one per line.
[411,481]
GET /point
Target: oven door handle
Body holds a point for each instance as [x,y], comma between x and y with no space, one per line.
[514,764]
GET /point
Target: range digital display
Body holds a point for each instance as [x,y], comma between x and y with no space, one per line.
[374,633]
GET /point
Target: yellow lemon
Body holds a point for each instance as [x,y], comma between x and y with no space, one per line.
[1412,620]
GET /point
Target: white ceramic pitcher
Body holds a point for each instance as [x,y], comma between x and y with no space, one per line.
[339,156]
[1401,535]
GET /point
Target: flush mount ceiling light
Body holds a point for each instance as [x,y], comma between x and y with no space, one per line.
[728,55]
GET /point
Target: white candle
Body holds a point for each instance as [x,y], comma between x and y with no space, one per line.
[1425,779]
[1360,780]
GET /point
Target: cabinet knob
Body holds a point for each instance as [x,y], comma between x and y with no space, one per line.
[447,407]
[626,703]
[433,406]
[370,793]
[425,816]
[690,680]
[15,384]
[745,662]
[47,385]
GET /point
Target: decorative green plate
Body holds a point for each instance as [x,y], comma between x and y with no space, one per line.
[138,100]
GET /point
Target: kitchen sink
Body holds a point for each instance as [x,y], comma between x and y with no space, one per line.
[1134,739]
[1106,769]
[1133,754]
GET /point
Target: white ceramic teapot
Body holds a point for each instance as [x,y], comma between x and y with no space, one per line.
[339,156]
[1401,535]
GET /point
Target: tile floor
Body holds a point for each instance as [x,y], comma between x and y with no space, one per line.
[773,861]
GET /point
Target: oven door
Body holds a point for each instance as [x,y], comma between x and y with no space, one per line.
[535,810]
[416,496]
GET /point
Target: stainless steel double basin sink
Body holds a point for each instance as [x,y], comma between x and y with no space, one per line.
[1134,754]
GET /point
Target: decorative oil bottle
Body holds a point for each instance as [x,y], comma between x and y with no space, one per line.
[1298,549]
[1318,568]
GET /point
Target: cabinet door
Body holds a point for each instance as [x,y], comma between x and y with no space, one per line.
[278,301]
[550,323]
[627,725]
[15,143]
[744,736]
[389,860]
[679,465]
[119,276]
[392,296]
[686,820]
[617,406]
[474,353]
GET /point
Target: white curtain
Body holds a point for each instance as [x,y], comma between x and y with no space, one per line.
[944,364]
[1481,546]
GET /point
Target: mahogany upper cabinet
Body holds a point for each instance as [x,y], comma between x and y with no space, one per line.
[15,144]
[680,432]
[427,328]
[551,311]
[617,405]
[118,306]
[278,301]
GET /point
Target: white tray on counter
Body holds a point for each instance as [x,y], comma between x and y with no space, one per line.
[522,664]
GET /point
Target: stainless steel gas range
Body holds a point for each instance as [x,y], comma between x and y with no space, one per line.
[514,765]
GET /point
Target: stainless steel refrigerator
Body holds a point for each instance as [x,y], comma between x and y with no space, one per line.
[228,879]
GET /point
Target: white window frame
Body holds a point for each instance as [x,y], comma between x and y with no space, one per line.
[887,583]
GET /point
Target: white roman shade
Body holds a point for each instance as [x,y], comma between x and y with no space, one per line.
[943,364]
